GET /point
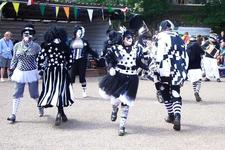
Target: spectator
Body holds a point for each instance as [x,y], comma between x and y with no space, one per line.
[186,38]
[221,37]
[6,49]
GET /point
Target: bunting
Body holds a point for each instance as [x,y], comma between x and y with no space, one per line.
[110,9]
[67,11]
[42,8]
[76,12]
[30,2]
[2,5]
[56,11]
[110,22]
[16,7]
[90,14]
[103,15]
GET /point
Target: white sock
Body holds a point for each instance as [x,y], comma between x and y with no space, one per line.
[16,103]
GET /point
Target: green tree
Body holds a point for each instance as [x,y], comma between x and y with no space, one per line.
[214,15]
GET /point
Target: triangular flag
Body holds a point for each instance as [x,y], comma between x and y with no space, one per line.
[76,12]
[67,11]
[16,7]
[56,11]
[110,22]
[90,14]
[42,8]
[2,5]
[110,9]
[30,2]
[103,15]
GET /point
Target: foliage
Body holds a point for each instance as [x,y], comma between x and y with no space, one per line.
[154,8]
[214,14]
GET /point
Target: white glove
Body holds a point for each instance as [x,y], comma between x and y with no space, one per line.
[112,71]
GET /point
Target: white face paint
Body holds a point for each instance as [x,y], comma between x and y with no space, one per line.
[27,37]
[128,41]
[78,34]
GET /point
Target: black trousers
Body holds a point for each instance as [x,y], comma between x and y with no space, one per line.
[79,68]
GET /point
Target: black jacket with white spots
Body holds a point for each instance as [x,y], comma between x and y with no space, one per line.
[54,55]
[126,60]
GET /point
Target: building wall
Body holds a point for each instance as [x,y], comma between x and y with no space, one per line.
[95,31]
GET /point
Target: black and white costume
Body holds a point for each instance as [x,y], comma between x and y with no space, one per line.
[121,84]
[54,61]
[80,49]
[209,60]
[195,53]
[24,69]
[172,61]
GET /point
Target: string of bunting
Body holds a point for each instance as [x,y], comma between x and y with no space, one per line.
[16,6]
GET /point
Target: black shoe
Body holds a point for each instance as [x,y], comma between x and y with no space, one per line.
[58,119]
[41,111]
[12,119]
[197,97]
[176,123]
[114,114]
[64,118]
[218,80]
[206,79]
[122,131]
[170,118]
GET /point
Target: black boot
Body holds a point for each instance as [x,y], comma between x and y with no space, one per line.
[197,97]
[64,117]
[170,118]
[176,122]
[58,119]
[114,113]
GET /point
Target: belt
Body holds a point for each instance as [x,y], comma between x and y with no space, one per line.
[127,68]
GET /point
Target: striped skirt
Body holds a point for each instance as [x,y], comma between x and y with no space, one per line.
[56,88]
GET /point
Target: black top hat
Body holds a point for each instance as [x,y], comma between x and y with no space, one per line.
[30,28]
[128,33]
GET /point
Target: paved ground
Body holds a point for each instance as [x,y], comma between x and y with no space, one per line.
[89,126]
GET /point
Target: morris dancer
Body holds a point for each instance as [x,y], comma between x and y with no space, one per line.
[24,68]
[54,61]
[80,49]
[121,84]
[195,53]
[172,63]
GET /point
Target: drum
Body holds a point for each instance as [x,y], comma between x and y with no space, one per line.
[212,51]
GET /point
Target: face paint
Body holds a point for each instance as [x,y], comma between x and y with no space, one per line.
[27,36]
[128,41]
[79,33]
